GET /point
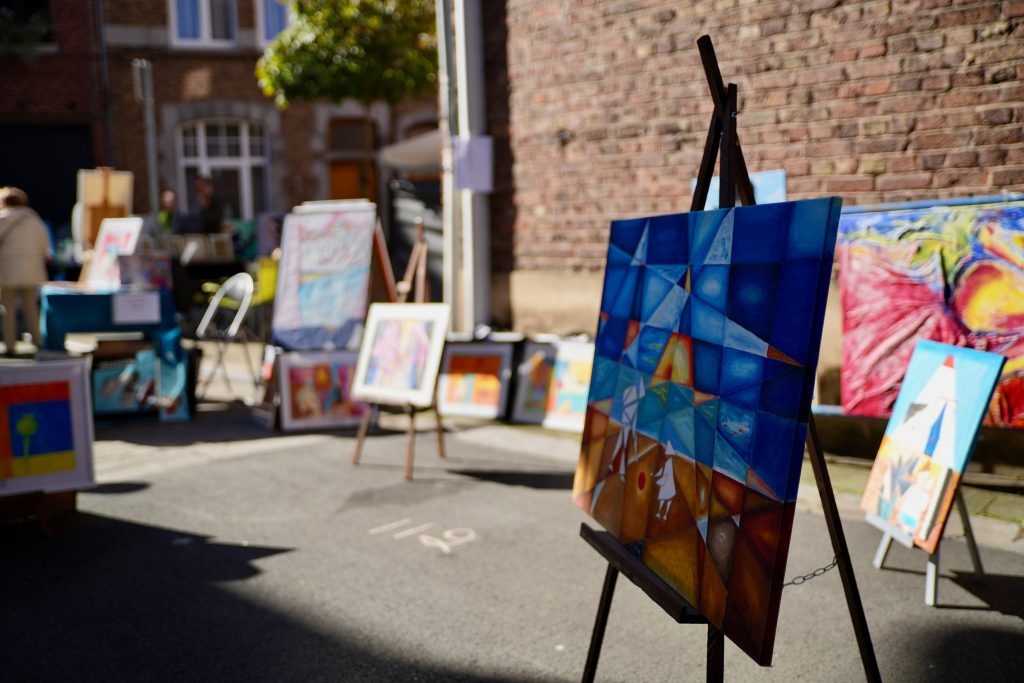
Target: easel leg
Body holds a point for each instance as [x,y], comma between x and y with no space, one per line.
[364,426]
[440,431]
[716,655]
[931,579]
[972,547]
[883,550]
[600,622]
[411,444]
[835,531]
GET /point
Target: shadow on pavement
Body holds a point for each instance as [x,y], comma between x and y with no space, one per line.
[1001,592]
[112,600]
[120,487]
[533,480]
[957,652]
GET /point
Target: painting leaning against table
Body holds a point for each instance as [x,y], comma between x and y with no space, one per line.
[704,367]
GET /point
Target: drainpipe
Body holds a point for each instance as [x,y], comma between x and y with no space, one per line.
[475,206]
[448,124]
[108,116]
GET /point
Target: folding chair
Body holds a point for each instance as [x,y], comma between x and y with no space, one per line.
[238,290]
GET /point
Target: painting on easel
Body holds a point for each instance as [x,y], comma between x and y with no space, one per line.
[929,439]
[324,276]
[401,353]
[102,193]
[706,350]
[45,427]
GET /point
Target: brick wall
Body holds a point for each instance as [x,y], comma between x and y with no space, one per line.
[600,108]
[190,76]
[61,83]
[156,13]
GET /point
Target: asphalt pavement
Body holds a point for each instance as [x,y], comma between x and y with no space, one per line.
[219,551]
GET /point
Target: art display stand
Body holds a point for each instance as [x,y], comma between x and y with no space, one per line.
[931,575]
[721,138]
[382,280]
[94,214]
[414,282]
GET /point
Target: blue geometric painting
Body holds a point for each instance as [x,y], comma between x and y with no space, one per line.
[704,367]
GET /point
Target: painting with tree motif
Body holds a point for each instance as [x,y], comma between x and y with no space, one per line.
[45,427]
[706,351]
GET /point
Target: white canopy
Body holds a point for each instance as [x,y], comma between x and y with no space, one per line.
[419,153]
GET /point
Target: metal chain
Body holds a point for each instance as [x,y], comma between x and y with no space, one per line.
[813,575]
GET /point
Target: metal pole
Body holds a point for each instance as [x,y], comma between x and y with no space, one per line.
[476,219]
[448,124]
[142,72]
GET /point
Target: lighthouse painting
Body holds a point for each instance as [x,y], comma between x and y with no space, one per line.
[929,439]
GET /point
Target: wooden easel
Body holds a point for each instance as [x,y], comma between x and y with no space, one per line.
[413,281]
[931,574]
[734,178]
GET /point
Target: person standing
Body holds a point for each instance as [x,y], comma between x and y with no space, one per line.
[24,252]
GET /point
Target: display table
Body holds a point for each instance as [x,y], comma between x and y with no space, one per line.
[68,309]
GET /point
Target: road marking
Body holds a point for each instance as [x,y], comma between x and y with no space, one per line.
[452,538]
[449,538]
[388,527]
[414,530]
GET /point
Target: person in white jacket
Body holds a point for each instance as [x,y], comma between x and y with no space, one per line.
[24,252]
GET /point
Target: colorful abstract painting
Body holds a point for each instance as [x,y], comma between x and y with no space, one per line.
[707,345]
[929,440]
[45,427]
[316,390]
[400,354]
[323,281]
[552,384]
[474,379]
[145,270]
[117,236]
[952,274]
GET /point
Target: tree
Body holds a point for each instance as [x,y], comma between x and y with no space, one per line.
[367,50]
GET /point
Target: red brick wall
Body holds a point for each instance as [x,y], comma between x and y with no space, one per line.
[155,12]
[60,84]
[877,101]
[188,76]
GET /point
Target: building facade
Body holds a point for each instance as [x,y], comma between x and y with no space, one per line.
[599,111]
[211,117]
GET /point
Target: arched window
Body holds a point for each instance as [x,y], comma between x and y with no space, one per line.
[234,154]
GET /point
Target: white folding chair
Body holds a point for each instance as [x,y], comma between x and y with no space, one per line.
[234,296]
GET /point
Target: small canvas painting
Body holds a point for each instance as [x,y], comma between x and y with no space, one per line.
[474,379]
[118,236]
[929,439]
[707,344]
[316,390]
[400,354]
[45,427]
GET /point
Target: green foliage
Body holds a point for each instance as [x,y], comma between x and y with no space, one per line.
[368,50]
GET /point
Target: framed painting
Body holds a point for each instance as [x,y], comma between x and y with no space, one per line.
[400,354]
[145,270]
[553,379]
[118,236]
[316,390]
[951,274]
[324,275]
[46,431]
[707,344]
[533,382]
[929,440]
[474,379]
